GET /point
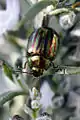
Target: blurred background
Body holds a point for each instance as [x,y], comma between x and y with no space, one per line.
[61,92]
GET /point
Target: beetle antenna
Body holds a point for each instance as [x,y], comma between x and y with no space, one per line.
[18,71]
[25,65]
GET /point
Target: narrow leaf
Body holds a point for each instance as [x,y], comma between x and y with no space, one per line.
[8,72]
[34,10]
[5,97]
[67,70]
[8,68]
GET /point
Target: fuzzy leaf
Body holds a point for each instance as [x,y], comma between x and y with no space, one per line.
[14,41]
[34,10]
[8,72]
[5,97]
[8,68]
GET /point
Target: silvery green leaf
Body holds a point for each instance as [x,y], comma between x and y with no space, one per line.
[73,70]
[15,41]
[74,118]
[7,96]
[65,70]
[8,71]
[25,5]
[34,10]
[69,70]
[6,84]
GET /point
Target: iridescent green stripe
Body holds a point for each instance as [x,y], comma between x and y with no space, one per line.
[49,42]
[39,41]
[34,39]
[56,40]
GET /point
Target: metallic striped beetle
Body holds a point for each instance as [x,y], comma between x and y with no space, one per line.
[41,49]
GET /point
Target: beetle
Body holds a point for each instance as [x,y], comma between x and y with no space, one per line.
[42,48]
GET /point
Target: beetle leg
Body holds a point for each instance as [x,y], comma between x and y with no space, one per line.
[54,66]
[29,73]
[64,71]
[59,68]
[25,65]
[20,71]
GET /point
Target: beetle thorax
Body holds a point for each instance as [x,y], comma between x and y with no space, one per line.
[38,64]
